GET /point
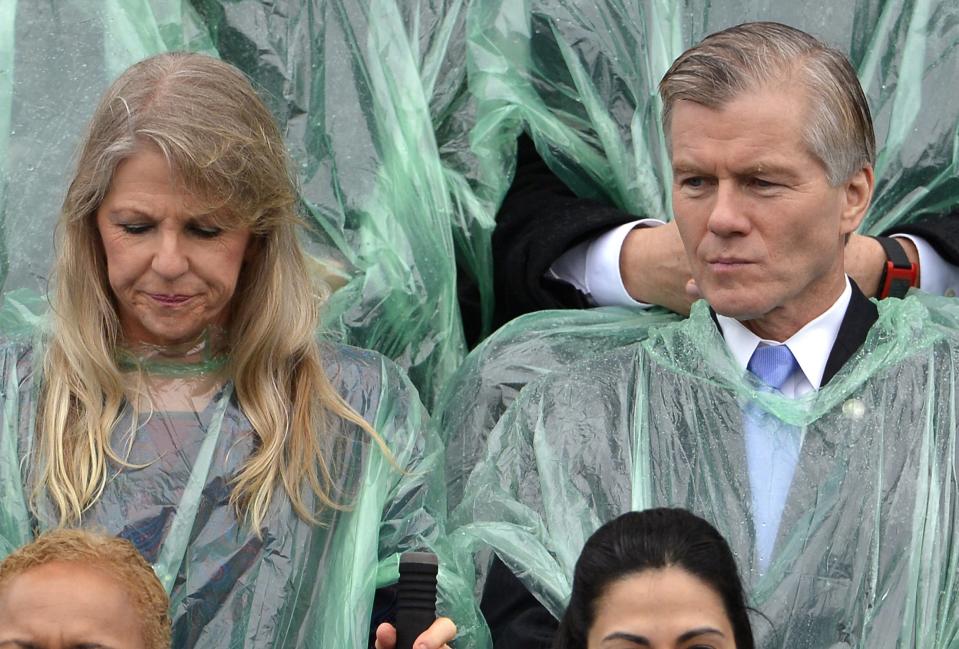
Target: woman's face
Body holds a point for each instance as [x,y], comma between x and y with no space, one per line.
[660,609]
[172,272]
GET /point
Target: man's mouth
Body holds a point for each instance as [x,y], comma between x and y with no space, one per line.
[720,264]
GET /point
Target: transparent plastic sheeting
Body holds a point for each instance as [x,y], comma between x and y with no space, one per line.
[371,97]
[868,550]
[402,115]
[582,77]
[518,353]
[293,584]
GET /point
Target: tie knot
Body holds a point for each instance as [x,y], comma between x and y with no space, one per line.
[772,364]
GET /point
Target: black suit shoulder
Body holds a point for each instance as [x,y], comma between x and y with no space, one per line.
[861,315]
[940,231]
[515,618]
[539,220]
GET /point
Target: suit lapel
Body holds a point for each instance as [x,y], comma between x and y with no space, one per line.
[818,448]
[861,314]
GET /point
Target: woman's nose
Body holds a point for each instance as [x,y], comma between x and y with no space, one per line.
[170,259]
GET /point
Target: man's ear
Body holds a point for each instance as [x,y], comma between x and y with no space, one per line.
[857,194]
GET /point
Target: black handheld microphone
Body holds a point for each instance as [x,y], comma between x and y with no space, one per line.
[415,596]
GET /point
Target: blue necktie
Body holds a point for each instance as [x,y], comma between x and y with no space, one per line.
[772,450]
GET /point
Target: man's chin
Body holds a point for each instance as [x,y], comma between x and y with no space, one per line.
[737,309]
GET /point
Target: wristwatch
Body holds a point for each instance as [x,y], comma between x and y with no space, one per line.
[899,274]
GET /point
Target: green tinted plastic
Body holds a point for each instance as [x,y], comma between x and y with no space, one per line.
[293,584]
[401,118]
[582,77]
[371,97]
[867,552]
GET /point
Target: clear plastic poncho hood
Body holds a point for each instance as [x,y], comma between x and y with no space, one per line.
[867,548]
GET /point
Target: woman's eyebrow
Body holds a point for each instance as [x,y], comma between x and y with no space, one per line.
[643,641]
[126,211]
[692,633]
[630,637]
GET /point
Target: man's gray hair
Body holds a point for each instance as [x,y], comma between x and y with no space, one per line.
[751,56]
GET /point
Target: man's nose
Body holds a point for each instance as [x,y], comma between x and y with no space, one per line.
[170,259]
[728,215]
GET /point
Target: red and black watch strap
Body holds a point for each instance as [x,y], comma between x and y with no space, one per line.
[899,274]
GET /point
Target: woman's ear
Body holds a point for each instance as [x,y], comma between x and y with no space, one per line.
[254,246]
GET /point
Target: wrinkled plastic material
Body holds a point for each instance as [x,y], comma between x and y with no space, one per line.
[293,584]
[371,98]
[521,351]
[583,76]
[401,118]
[868,549]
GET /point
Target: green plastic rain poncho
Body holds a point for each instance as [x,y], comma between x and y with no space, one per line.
[582,78]
[401,117]
[293,584]
[868,548]
[372,100]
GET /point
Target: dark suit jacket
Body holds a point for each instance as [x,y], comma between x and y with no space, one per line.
[517,620]
[541,218]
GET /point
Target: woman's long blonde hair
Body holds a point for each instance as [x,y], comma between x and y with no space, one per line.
[226,151]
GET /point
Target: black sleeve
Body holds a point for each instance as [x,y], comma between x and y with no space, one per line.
[516,619]
[384,610]
[941,232]
[539,220]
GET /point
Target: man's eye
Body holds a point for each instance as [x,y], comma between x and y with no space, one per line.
[761,183]
[695,182]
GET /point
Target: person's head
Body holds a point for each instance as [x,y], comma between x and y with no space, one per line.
[657,579]
[181,215]
[71,588]
[772,148]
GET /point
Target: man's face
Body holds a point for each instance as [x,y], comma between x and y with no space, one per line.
[763,228]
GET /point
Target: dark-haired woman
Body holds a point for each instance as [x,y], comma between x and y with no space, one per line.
[657,579]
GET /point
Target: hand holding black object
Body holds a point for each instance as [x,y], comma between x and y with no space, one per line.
[416,620]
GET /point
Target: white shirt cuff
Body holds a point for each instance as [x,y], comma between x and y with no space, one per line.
[936,275]
[592,267]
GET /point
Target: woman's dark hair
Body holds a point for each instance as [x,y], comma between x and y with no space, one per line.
[651,540]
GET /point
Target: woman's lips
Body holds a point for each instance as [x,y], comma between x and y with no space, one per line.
[169,299]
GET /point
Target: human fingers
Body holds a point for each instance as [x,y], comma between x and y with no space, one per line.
[441,632]
[385,636]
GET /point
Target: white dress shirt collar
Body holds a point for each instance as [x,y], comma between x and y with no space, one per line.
[810,345]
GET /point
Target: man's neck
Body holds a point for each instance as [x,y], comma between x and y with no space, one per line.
[782,323]
[812,344]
